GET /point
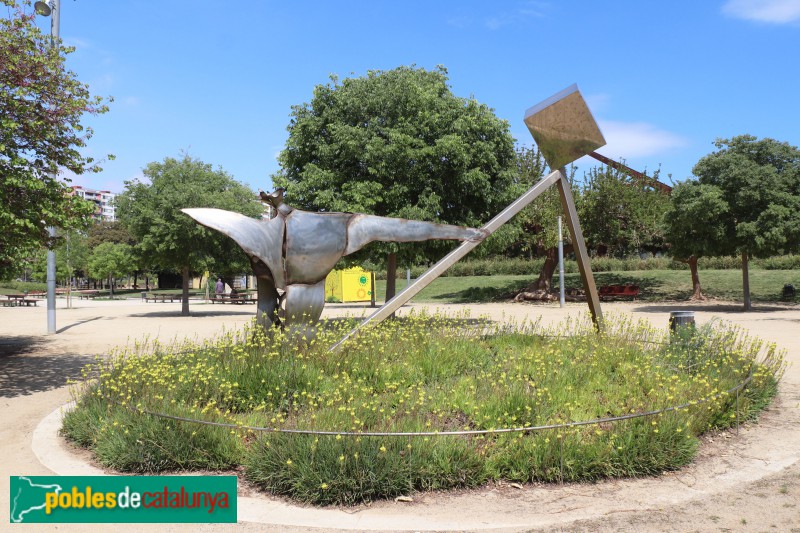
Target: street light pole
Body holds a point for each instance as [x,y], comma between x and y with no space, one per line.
[560,265]
[51,8]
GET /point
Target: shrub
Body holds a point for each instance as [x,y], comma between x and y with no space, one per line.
[530,267]
[24,286]
[426,375]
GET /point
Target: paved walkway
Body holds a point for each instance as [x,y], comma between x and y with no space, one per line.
[34,368]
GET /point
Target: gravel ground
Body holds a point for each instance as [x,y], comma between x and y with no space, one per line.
[748,481]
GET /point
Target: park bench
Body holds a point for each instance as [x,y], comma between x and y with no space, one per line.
[37,294]
[18,301]
[613,292]
[162,297]
[231,298]
[88,295]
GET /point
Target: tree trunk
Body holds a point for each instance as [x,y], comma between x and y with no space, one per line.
[391,277]
[697,293]
[185,295]
[135,279]
[746,281]
[545,280]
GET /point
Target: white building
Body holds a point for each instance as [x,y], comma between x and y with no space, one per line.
[103,200]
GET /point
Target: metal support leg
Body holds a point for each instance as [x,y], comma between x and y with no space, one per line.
[266,306]
[450,259]
[584,266]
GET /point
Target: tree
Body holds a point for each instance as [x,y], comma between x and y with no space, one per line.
[112,231]
[72,257]
[538,235]
[170,239]
[110,260]
[695,226]
[759,180]
[115,231]
[622,216]
[73,253]
[41,107]
[398,143]
[619,215]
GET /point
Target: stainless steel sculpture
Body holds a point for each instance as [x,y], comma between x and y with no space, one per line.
[565,130]
[295,251]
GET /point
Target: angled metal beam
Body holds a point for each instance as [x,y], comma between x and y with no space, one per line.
[584,266]
[450,259]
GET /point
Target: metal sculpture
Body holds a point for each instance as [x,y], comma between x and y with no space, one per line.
[295,250]
[565,130]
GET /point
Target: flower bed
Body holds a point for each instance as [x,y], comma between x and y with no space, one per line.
[483,402]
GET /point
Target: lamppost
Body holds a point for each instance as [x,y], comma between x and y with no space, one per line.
[52,9]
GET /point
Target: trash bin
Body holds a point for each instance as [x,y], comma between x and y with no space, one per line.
[788,291]
[681,319]
[144,295]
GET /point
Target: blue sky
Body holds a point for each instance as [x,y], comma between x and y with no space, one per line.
[218,79]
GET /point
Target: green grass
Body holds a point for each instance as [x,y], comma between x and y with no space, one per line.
[655,285]
[421,374]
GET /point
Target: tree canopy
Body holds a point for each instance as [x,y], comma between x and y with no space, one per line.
[621,215]
[41,108]
[169,239]
[109,231]
[111,260]
[398,143]
[759,180]
[759,183]
[694,226]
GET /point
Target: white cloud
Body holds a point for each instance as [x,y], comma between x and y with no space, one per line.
[78,43]
[519,12]
[597,102]
[773,11]
[524,10]
[637,139]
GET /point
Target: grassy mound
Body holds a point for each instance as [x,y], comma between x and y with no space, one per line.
[428,375]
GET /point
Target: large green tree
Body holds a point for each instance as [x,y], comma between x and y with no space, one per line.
[695,226]
[398,143]
[41,107]
[169,239]
[112,231]
[110,260]
[115,231]
[759,180]
[621,215]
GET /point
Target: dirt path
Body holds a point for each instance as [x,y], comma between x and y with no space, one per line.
[744,482]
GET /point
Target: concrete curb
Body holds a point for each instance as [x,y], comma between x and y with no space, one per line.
[750,457]
[51,450]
